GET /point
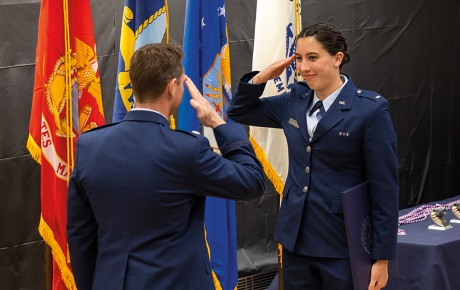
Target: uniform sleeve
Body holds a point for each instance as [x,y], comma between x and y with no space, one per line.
[81,233]
[248,108]
[238,175]
[382,171]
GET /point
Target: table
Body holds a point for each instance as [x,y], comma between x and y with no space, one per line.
[428,259]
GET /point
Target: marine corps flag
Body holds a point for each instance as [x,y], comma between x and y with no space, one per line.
[207,63]
[66,102]
[144,22]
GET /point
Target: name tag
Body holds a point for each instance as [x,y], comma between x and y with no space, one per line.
[293,122]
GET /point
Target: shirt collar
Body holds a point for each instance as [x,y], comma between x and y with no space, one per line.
[148,110]
[327,102]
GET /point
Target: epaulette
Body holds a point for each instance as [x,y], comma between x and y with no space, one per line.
[100,127]
[369,95]
[195,134]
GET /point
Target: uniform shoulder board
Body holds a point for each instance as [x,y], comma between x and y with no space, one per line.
[100,127]
[369,95]
[193,133]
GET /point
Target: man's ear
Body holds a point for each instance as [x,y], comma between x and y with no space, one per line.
[171,87]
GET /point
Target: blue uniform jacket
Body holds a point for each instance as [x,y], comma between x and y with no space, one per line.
[136,202]
[354,142]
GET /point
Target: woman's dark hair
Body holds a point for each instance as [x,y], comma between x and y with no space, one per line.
[330,38]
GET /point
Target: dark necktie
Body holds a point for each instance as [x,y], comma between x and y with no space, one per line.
[316,106]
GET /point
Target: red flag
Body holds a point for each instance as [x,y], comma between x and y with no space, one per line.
[66,102]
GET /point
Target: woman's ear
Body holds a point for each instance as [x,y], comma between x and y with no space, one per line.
[338,58]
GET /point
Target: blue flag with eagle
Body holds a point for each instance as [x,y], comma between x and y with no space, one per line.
[144,22]
[207,63]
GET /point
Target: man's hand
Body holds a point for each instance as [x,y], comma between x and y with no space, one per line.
[379,275]
[273,70]
[206,114]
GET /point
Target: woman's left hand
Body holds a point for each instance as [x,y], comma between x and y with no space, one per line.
[379,275]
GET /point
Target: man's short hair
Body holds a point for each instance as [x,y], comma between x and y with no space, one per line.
[152,67]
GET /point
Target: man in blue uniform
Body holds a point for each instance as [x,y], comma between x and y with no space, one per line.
[137,193]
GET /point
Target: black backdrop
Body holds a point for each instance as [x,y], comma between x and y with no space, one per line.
[406,50]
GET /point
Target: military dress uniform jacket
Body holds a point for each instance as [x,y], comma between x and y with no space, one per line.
[353,142]
[136,202]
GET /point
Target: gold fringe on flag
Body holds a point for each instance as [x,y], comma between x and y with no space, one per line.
[58,255]
[34,149]
[268,168]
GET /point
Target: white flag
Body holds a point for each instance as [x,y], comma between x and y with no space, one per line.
[277,25]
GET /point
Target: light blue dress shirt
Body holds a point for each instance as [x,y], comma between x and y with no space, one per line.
[312,121]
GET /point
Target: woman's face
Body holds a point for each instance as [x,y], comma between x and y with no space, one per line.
[319,69]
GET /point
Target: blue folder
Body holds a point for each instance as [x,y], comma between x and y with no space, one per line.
[358,223]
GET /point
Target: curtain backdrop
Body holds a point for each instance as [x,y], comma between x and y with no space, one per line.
[405,50]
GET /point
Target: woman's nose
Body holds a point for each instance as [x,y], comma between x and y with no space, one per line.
[304,66]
